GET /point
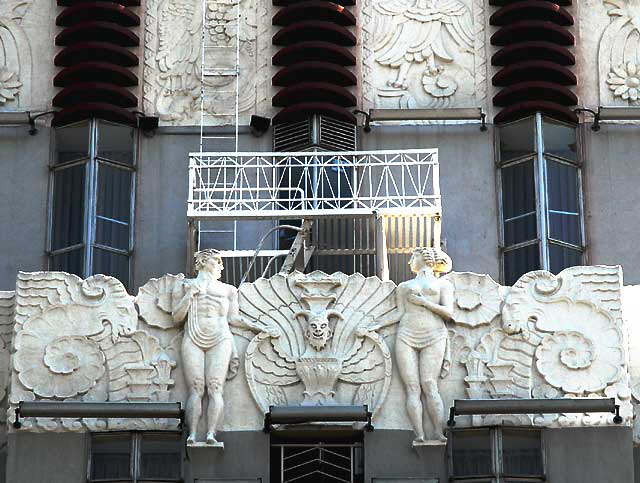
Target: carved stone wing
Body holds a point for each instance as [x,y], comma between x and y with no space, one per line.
[156,298]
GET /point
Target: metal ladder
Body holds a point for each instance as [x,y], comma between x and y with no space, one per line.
[220,60]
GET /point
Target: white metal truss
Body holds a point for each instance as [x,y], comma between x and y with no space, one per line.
[313,184]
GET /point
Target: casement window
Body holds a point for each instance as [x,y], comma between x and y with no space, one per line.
[138,456]
[540,186]
[496,455]
[92,188]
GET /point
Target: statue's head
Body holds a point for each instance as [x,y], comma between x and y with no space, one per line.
[433,258]
[209,260]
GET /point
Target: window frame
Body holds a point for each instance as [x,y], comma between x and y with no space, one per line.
[92,162]
[496,438]
[540,159]
[135,440]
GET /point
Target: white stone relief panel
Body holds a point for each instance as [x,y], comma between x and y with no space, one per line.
[319,339]
[15,55]
[323,352]
[619,54]
[423,54]
[173,62]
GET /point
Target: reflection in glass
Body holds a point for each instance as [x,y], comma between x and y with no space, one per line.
[68,207]
[563,202]
[521,453]
[561,257]
[520,261]
[115,142]
[110,456]
[517,139]
[519,203]
[471,453]
[559,139]
[72,142]
[111,263]
[160,456]
[70,262]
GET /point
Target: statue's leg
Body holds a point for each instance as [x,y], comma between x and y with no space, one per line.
[193,368]
[430,363]
[407,359]
[217,365]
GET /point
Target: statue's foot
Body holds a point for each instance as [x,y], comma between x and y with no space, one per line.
[418,440]
[211,438]
[441,437]
[191,439]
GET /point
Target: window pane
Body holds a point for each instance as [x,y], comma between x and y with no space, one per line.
[520,230]
[70,262]
[559,139]
[68,207]
[564,202]
[517,139]
[519,203]
[113,211]
[113,264]
[110,456]
[562,257]
[521,453]
[116,142]
[160,456]
[520,261]
[471,453]
[72,142]
[518,189]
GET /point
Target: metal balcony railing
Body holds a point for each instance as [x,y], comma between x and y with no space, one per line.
[313,184]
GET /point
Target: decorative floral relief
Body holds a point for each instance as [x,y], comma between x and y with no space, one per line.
[53,362]
[624,81]
[619,54]
[9,85]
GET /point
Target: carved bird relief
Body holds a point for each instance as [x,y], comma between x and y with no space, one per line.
[420,32]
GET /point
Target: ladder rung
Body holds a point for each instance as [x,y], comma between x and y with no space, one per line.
[220,72]
[219,137]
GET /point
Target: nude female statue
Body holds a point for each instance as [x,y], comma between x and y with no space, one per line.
[208,349]
[424,304]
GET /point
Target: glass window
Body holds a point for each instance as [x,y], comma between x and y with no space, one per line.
[517,139]
[540,197]
[521,452]
[72,142]
[136,457]
[471,453]
[160,456]
[519,202]
[91,200]
[496,454]
[563,199]
[116,142]
[68,207]
[559,139]
[111,456]
[519,261]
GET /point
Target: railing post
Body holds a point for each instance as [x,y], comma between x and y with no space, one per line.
[382,260]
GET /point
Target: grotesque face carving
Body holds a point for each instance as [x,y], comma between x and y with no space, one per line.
[318,332]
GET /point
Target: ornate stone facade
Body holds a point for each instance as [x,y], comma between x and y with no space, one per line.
[309,339]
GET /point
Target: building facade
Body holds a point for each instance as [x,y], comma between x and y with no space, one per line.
[316,145]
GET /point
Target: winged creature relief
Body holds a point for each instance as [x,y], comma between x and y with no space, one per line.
[177,61]
[325,353]
[422,33]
